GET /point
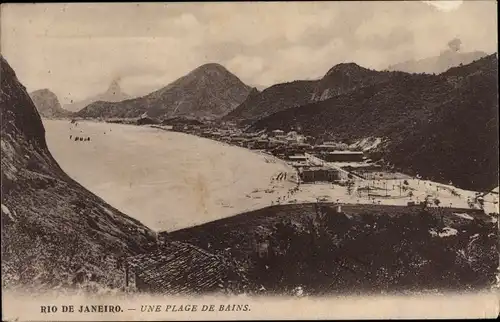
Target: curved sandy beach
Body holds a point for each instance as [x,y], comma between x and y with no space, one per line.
[167,180]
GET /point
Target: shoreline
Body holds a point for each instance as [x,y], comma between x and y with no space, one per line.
[167,181]
[272,193]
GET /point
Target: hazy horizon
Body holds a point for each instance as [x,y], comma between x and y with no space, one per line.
[76,50]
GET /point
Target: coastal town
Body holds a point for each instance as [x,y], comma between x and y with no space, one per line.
[336,172]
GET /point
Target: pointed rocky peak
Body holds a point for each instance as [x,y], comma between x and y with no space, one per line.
[114,93]
[114,88]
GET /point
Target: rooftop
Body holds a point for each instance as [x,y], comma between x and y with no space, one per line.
[297,157]
[179,268]
[345,152]
[320,169]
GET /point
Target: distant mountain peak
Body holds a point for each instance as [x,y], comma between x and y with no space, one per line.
[211,66]
[115,88]
[212,69]
[209,91]
[439,126]
[47,104]
[44,91]
[438,64]
[114,93]
[345,68]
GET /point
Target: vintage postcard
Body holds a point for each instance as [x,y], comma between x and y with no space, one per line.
[249,160]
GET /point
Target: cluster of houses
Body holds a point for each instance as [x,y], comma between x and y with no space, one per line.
[291,147]
[275,141]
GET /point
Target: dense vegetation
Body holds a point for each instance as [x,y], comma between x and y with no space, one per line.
[340,79]
[364,249]
[444,127]
[273,99]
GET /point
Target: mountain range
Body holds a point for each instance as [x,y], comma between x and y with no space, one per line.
[438,64]
[440,126]
[48,105]
[209,91]
[114,93]
[340,79]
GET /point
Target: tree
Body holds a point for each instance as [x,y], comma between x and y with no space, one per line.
[350,185]
[425,204]
[437,202]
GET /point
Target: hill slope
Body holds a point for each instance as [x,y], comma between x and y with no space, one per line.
[443,127]
[273,99]
[346,77]
[209,91]
[53,230]
[340,79]
[364,248]
[114,93]
[47,104]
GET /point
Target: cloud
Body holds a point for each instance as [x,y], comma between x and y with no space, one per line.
[445,5]
[455,44]
[249,66]
[77,49]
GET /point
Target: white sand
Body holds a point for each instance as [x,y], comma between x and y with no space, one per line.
[167,180]
[395,196]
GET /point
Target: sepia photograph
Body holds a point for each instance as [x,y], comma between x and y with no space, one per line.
[249,160]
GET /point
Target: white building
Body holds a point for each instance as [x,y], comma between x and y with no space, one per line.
[491,201]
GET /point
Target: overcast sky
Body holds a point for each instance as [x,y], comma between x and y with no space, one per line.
[77,49]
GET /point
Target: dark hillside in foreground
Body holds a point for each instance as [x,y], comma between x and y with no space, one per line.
[58,235]
[442,127]
[365,248]
[54,232]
